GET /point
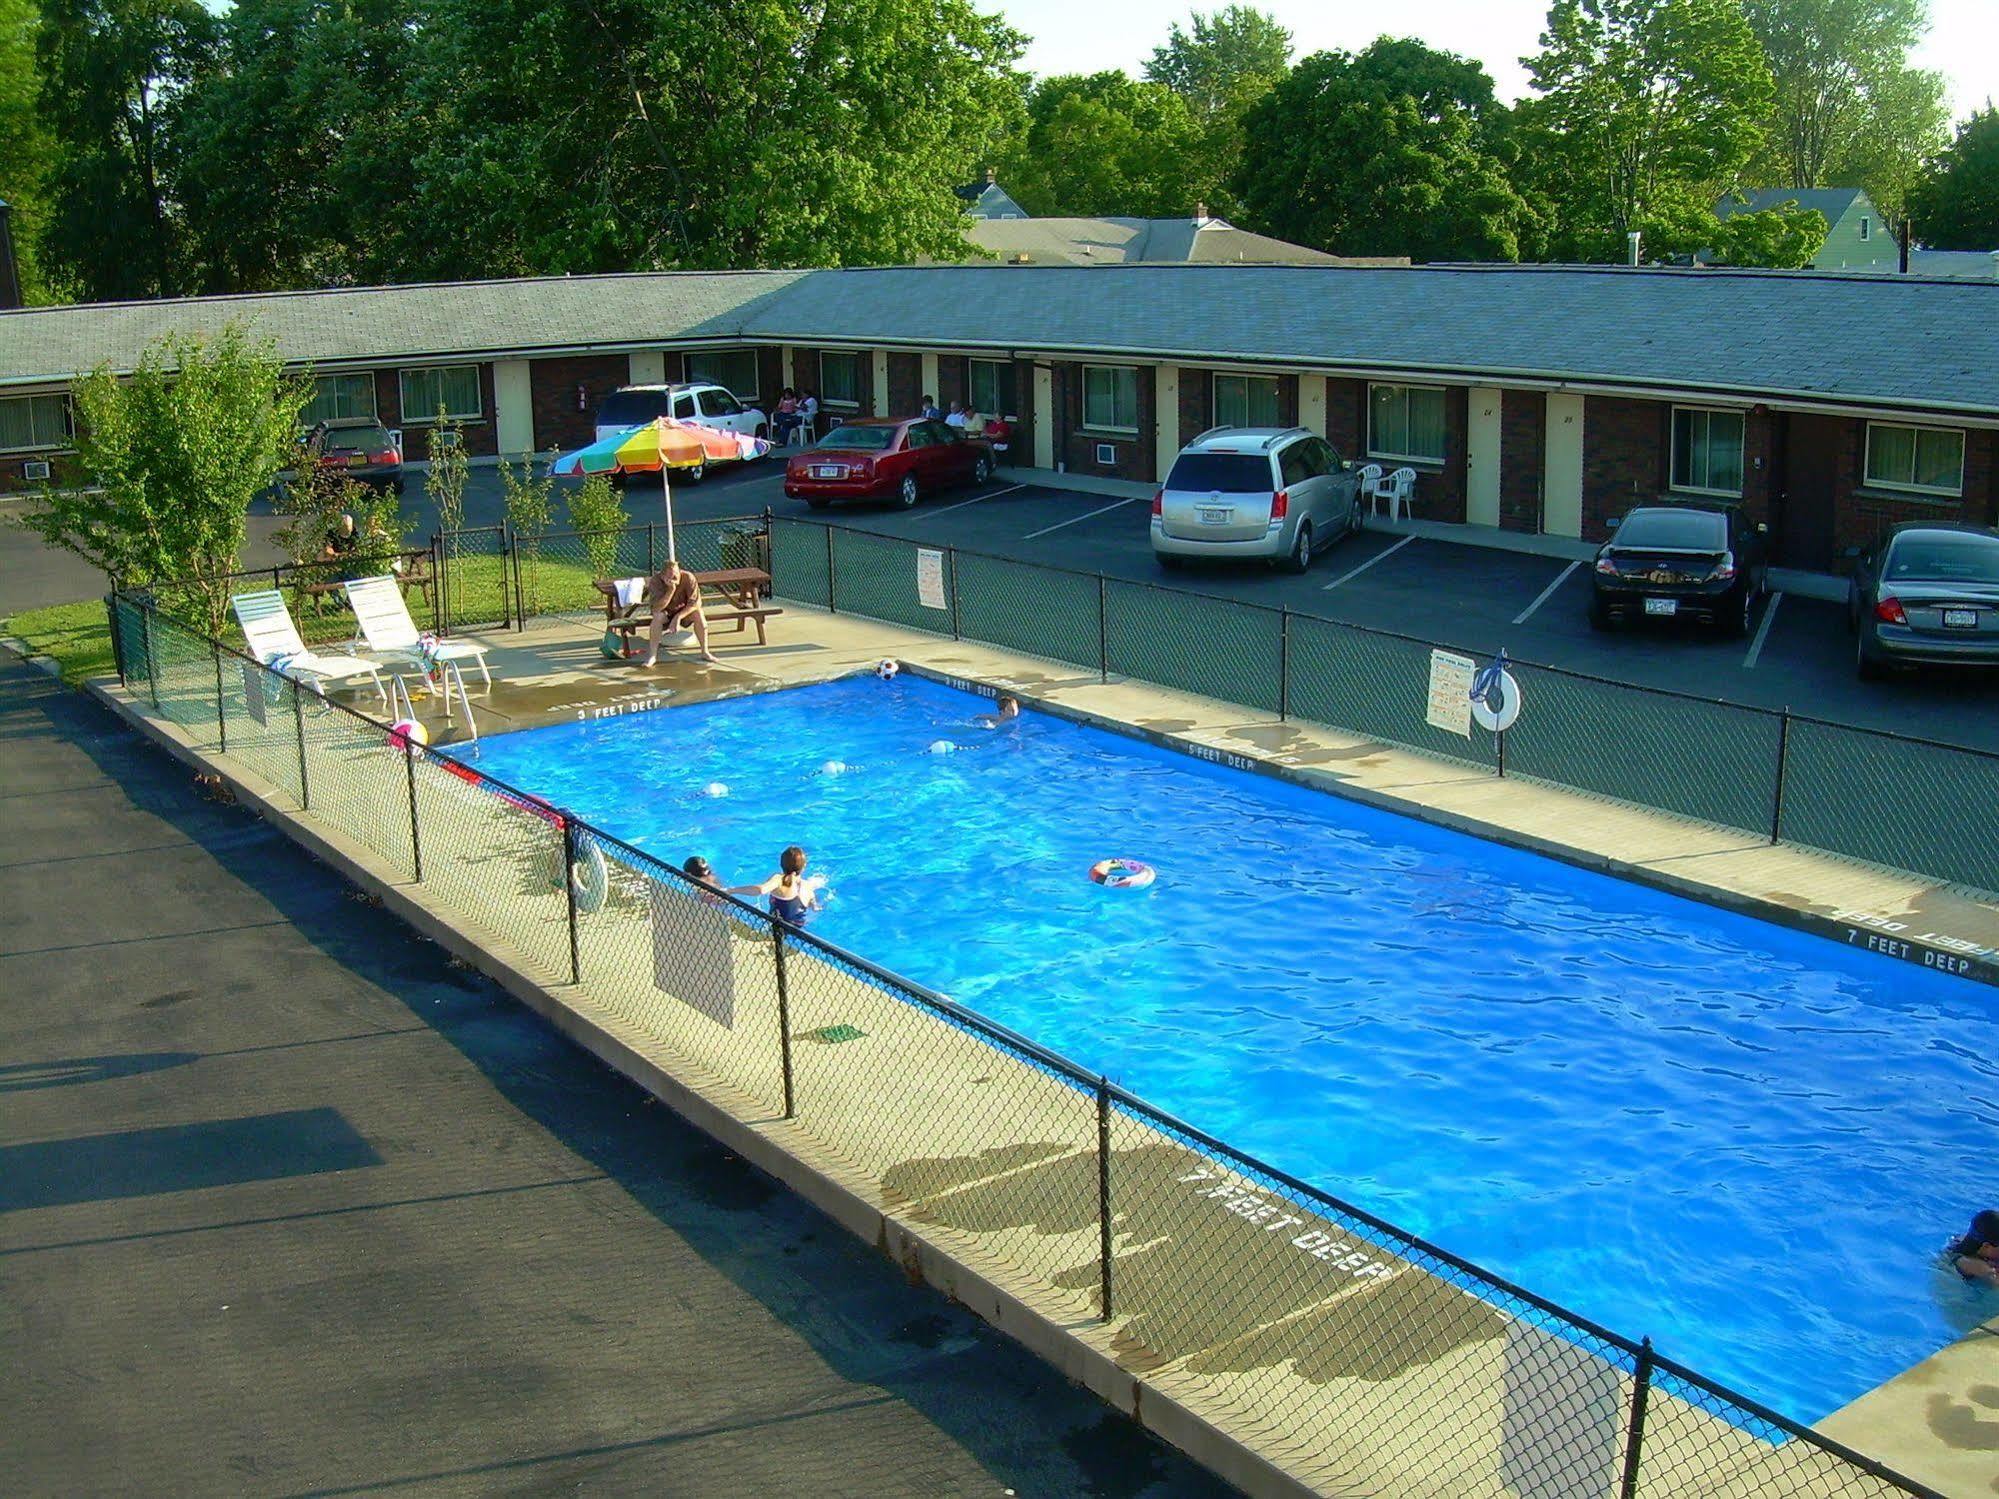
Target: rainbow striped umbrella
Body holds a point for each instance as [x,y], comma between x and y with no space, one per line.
[660,444]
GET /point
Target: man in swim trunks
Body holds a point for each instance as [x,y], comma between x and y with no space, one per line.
[1976,1254]
[675,597]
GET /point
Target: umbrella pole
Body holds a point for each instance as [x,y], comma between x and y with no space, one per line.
[666,492]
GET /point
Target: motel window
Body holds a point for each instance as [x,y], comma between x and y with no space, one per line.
[735,370]
[32,423]
[1110,398]
[1926,460]
[1707,450]
[336,397]
[841,378]
[1405,421]
[984,382]
[1245,401]
[453,387]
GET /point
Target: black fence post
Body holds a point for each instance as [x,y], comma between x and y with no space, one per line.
[520,596]
[1634,1440]
[1103,630]
[951,567]
[410,752]
[117,637]
[298,721]
[152,656]
[221,720]
[1500,737]
[832,604]
[1104,1195]
[1783,763]
[1283,665]
[783,1017]
[437,583]
[569,888]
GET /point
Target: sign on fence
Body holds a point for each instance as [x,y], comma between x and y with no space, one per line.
[1450,692]
[253,690]
[930,578]
[692,958]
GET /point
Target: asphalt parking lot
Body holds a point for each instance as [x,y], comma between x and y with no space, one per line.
[1477,599]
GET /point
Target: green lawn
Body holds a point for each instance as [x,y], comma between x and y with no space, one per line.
[77,636]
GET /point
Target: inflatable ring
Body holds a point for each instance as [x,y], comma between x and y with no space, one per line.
[592,877]
[1121,874]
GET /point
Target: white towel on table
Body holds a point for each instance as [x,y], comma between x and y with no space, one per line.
[630,591]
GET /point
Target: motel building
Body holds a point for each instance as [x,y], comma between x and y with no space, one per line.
[1535,399]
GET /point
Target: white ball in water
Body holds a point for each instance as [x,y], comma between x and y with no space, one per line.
[942,747]
[834,767]
[715,788]
[887,669]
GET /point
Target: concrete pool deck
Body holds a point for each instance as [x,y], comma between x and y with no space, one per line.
[998,1215]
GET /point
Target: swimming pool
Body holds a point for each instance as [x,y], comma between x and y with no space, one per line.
[1742,1140]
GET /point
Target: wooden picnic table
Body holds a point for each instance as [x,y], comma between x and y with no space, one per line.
[740,591]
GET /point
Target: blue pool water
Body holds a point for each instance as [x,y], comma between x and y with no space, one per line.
[1744,1141]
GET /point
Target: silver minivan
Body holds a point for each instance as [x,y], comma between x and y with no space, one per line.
[1265,493]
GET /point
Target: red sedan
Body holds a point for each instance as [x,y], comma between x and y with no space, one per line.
[900,459]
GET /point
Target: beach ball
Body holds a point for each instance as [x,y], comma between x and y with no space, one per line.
[887,669]
[407,734]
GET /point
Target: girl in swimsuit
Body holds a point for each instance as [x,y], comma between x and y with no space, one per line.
[792,897]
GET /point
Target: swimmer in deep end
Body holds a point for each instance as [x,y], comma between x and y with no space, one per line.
[792,897]
[1976,1254]
[1006,710]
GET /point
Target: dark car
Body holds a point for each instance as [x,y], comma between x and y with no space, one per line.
[894,459]
[1680,562]
[1926,594]
[365,451]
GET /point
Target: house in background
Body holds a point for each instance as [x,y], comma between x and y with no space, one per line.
[1199,240]
[988,200]
[1856,238]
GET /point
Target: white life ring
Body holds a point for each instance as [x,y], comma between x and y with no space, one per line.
[591,880]
[1500,706]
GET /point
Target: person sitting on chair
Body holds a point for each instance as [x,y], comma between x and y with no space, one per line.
[784,421]
[930,413]
[674,596]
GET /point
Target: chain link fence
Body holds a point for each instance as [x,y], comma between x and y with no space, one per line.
[1904,803]
[1355,1356]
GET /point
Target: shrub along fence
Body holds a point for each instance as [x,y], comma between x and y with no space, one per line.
[1353,1354]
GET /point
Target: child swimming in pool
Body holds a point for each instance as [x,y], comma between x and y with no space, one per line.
[1005,711]
[1975,1256]
[793,896]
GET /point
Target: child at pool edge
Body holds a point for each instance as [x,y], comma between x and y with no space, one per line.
[792,897]
[1976,1254]
[1006,710]
[702,873]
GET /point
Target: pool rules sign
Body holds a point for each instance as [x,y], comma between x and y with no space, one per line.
[1450,692]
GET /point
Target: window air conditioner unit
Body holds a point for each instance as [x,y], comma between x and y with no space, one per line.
[1106,455]
[35,468]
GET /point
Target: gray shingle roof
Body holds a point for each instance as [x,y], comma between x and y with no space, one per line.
[1877,341]
[388,323]
[1123,241]
[1830,201]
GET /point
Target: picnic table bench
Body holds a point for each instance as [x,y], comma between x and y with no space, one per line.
[727,593]
[415,573]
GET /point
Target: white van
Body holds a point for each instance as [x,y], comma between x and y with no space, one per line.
[691,401]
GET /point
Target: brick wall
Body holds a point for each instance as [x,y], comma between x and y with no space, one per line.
[1133,456]
[1346,416]
[1860,513]
[552,386]
[1627,460]
[1197,403]
[479,436]
[1523,434]
[905,385]
[63,471]
[953,379]
[770,376]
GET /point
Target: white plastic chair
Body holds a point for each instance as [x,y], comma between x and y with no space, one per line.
[385,624]
[1399,490]
[274,640]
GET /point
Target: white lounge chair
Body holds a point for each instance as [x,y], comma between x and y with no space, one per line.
[390,633]
[274,640]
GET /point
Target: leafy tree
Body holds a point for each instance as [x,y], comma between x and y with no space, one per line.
[175,455]
[597,512]
[312,499]
[529,501]
[1847,107]
[1392,151]
[450,468]
[1104,144]
[1786,237]
[1224,61]
[1957,206]
[1648,110]
[24,140]
[296,152]
[113,74]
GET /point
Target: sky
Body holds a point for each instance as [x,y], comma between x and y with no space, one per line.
[1963,43]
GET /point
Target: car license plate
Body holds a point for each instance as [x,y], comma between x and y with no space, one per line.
[1960,619]
[825,471]
[1215,517]
[1662,606]
[357,460]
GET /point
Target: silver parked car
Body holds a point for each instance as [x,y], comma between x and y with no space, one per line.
[1264,493]
[1926,594]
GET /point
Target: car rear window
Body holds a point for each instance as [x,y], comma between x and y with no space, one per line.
[632,408]
[858,439]
[1677,530]
[372,438]
[1232,473]
[1945,559]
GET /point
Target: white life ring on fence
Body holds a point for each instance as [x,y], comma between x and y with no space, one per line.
[592,878]
[1499,705]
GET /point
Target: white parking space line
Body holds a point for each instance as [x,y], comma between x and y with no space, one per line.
[1077,519]
[1545,594]
[1349,577]
[947,509]
[1762,631]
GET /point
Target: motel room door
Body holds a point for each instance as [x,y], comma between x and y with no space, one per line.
[1807,460]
